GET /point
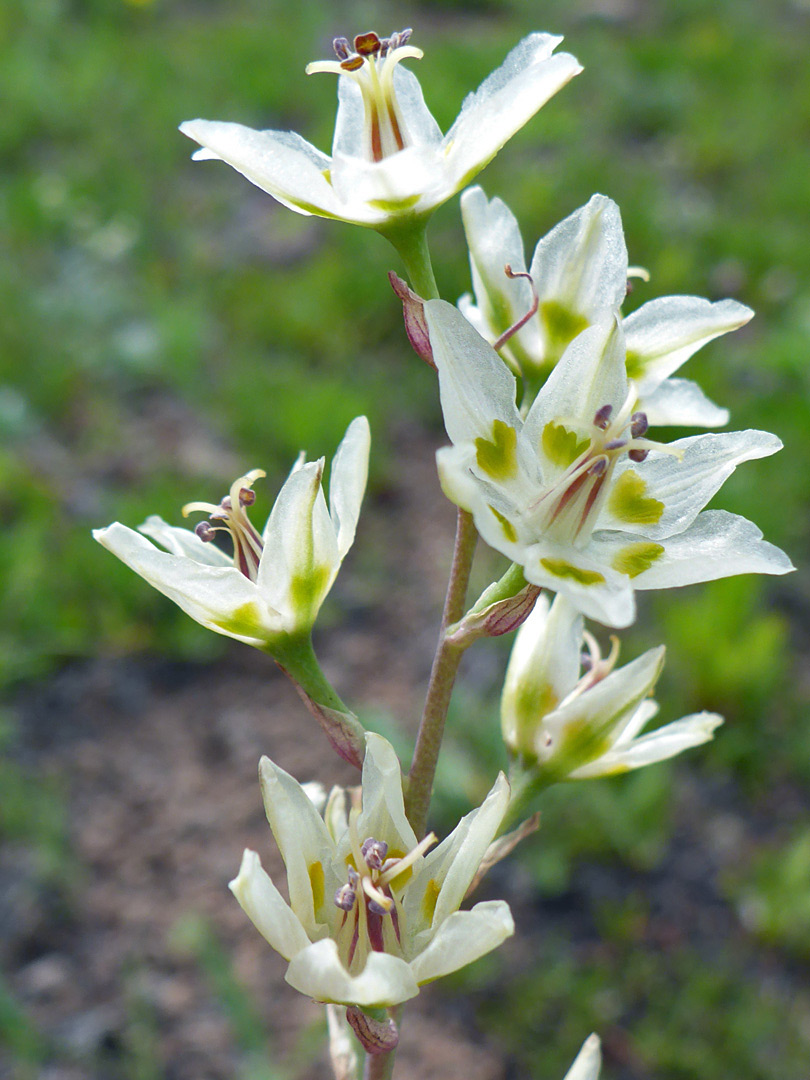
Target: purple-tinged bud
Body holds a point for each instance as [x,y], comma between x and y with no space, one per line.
[205,532]
[376,1036]
[374,852]
[638,455]
[638,424]
[602,417]
[345,898]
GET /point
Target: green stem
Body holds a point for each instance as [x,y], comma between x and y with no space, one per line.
[410,241]
[442,677]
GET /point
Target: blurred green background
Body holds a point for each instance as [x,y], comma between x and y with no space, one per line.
[165,325]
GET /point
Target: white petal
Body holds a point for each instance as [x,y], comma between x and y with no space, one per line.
[219,597]
[589,375]
[305,845]
[280,163]
[265,907]
[347,483]
[637,722]
[582,263]
[372,191]
[300,557]
[588,1061]
[716,545]
[476,387]
[681,403]
[504,102]
[664,333]
[604,709]
[383,815]
[543,668]
[683,485]
[494,241]
[462,938]
[453,864]
[585,578]
[317,971]
[183,542]
[659,745]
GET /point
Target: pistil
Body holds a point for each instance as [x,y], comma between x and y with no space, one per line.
[231,516]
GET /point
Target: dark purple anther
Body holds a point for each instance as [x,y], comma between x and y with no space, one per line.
[637,455]
[598,467]
[378,909]
[205,532]
[638,425]
[342,48]
[615,444]
[247,497]
[602,417]
[345,898]
[367,44]
[586,660]
[374,852]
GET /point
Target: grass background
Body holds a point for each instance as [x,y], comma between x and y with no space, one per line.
[165,323]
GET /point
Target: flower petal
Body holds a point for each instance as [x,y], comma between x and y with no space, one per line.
[588,1061]
[347,483]
[453,864]
[305,845]
[183,542]
[383,805]
[659,745]
[681,403]
[716,545]
[504,102]
[279,162]
[585,577]
[462,938]
[218,597]
[665,332]
[265,907]
[672,490]
[384,981]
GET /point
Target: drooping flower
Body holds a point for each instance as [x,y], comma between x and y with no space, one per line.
[389,159]
[570,724]
[578,275]
[373,912]
[576,493]
[274,584]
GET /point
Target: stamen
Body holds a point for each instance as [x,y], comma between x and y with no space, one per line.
[367,44]
[342,48]
[205,531]
[507,334]
[374,852]
[638,424]
[394,867]
[638,455]
[615,444]
[345,897]
[602,417]
[375,895]
[247,542]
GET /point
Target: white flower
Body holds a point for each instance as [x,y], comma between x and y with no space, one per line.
[389,159]
[579,274]
[275,583]
[575,726]
[588,1061]
[373,914]
[575,493]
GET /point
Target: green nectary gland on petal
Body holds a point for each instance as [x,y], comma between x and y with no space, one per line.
[635,364]
[317,882]
[561,325]
[636,558]
[561,445]
[244,621]
[498,457]
[306,590]
[562,569]
[509,530]
[629,503]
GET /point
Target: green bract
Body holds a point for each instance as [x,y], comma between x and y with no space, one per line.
[574,726]
[579,274]
[273,586]
[389,159]
[373,914]
[575,493]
